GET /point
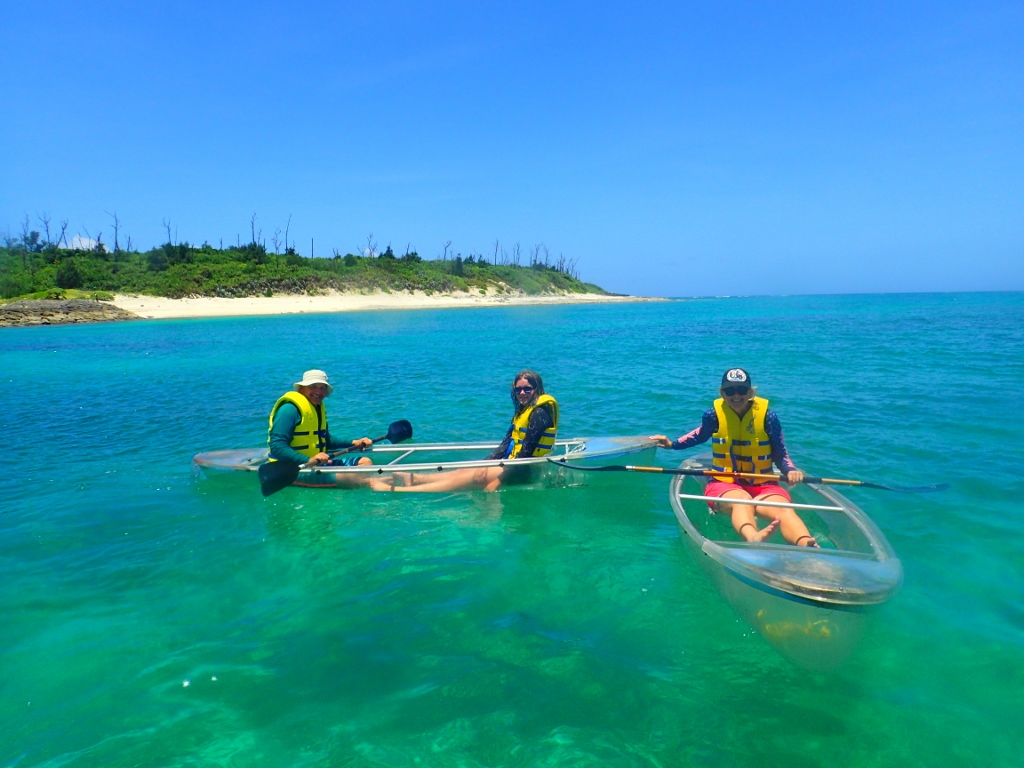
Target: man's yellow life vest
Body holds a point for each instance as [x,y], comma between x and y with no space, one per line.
[741,445]
[310,435]
[520,422]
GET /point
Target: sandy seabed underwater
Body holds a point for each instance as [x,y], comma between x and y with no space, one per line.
[150,619]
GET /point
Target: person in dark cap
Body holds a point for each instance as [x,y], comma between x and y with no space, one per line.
[746,437]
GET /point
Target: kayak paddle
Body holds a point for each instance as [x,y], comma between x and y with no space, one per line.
[752,476]
[275,475]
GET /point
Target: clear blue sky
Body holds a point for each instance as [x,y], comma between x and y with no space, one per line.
[671,148]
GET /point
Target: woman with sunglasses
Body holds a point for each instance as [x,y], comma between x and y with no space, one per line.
[747,438]
[531,433]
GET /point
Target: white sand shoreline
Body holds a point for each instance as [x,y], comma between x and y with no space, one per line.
[158,308]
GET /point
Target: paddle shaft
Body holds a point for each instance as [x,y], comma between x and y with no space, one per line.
[338,452]
[807,478]
[351,448]
[696,472]
[398,432]
[747,475]
[752,476]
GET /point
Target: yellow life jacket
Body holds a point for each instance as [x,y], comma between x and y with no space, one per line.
[520,422]
[741,445]
[310,435]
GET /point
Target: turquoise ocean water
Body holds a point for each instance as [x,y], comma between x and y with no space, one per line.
[152,620]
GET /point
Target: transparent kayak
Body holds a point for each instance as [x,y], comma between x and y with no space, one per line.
[808,603]
[438,458]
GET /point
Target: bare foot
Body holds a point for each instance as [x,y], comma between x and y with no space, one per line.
[806,541]
[381,484]
[766,532]
[402,478]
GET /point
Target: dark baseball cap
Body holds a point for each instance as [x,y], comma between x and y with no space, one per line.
[736,377]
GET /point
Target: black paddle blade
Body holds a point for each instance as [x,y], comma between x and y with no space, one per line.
[399,431]
[877,486]
[275,475]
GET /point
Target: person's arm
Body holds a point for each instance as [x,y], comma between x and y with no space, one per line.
[708,427]
[780,456]
[502,450]
[285,421]
[334,445]
[540,421]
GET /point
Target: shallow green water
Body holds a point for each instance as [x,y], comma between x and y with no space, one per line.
[559,627]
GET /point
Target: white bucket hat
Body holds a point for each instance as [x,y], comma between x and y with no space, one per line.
[309,378]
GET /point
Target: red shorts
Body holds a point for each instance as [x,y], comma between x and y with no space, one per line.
[718,488]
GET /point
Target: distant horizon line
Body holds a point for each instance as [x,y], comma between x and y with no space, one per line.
[851,293]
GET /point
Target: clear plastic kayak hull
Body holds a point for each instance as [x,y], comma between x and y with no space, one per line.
[439,458]
[810,604]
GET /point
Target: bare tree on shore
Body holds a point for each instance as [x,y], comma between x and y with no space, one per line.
[44,219]
[567,266]
[256,236]
[371,246]
[117,229]
[97,242]
[25,226]
[535,255]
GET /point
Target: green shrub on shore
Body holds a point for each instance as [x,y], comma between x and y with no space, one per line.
[177,271]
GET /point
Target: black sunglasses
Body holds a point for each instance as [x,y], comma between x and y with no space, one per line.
[526,390]
[730,391]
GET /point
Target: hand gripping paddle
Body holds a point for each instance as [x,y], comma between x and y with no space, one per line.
[275,475]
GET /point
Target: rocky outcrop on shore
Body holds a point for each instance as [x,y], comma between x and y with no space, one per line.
[61,312]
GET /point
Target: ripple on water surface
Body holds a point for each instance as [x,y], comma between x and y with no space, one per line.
[152,619]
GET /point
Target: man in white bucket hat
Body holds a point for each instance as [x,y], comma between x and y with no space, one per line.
[298,427]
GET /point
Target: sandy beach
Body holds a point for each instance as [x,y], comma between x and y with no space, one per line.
[158,308]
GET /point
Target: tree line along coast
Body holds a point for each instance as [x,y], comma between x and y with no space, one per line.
[38,265]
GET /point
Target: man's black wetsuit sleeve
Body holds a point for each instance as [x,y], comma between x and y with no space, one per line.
[502,450]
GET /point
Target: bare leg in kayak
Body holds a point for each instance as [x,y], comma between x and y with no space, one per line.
[744,519]
[794,530]
[479,479]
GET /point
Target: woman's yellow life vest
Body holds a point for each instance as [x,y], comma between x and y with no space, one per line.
[310,435]
[521,421]
[741,445]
